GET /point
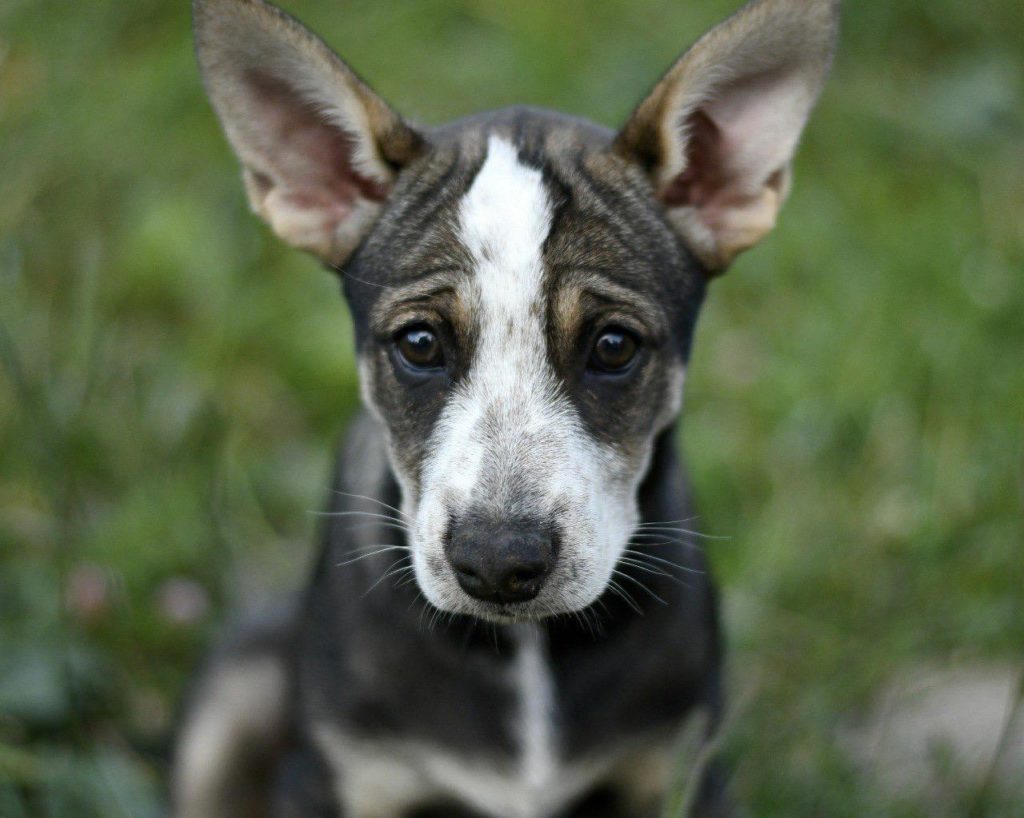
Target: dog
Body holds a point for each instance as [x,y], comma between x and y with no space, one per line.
[507,617]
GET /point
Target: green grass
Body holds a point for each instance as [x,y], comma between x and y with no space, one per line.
[172,380]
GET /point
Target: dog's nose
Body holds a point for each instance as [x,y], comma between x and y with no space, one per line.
[500,564]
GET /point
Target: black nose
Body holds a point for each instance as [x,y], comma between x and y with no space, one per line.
[500,563]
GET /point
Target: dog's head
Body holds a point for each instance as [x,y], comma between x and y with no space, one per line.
[524,285]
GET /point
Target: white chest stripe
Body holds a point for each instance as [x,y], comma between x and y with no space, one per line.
[536,708]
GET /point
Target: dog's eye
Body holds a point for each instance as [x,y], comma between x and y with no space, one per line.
[614,350]
[420,348]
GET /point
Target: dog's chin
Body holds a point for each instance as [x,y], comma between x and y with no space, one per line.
[459,603]
[506,614]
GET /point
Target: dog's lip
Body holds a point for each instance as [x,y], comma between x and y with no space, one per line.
[509,613]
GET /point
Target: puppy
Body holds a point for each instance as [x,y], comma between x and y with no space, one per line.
[507,618]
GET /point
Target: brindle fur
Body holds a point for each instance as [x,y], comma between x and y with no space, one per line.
[362,693]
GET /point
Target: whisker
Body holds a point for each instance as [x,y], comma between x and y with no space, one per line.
[398,511]
[389,572]
[382,550]
[663,541]
[376,545]
[669,522]
[408,579]
[381,523]
[347,274]
[469,633]
[585,620]
[641,541]
[662,560]
[621,592]
[664,529]
[640,584]
[405,569]
[435,617]
[653,569]
[650,569]
[372,514]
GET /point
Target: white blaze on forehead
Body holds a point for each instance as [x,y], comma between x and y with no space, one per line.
[505,218]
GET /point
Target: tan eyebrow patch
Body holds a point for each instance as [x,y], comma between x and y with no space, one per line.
[583,297]
[438,294]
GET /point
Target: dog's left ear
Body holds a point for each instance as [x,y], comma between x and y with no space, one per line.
[319,149]
[718,132]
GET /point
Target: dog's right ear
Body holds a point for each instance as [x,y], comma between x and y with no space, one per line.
[319,149]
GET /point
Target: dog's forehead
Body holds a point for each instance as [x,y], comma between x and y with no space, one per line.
[525,183]
[503,222]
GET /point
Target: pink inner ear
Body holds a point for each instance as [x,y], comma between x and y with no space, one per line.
[739,142]
[705,172]
[307,157]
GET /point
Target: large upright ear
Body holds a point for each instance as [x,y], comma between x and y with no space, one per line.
[319,149]
[718,131]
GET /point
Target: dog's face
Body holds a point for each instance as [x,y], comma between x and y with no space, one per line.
[524,285]
[522,344]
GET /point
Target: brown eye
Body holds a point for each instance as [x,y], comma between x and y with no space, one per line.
[420,348]
[614,350]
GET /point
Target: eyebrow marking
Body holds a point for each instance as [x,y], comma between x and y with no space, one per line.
[585,289]
[429,285]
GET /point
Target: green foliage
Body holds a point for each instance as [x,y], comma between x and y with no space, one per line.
[172,380]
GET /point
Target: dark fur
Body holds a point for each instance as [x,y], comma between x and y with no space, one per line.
[607,247]
[364,669]
[364,655]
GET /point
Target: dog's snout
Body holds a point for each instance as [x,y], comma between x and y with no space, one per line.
[506,563]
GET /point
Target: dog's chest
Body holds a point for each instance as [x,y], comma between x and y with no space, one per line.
[379,776]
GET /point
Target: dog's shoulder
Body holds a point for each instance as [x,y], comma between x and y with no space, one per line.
[237,718]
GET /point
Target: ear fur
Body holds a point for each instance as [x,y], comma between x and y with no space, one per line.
[718,132]
[319,149]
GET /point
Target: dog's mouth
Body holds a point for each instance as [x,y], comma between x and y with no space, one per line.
[511,613]
[503,613]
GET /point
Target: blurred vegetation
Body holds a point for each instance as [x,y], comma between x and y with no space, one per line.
[172,380]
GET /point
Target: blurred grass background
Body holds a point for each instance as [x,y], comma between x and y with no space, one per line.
[172,380]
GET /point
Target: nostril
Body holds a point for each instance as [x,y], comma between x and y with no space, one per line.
[522,582]
[524,576]
[468,578]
